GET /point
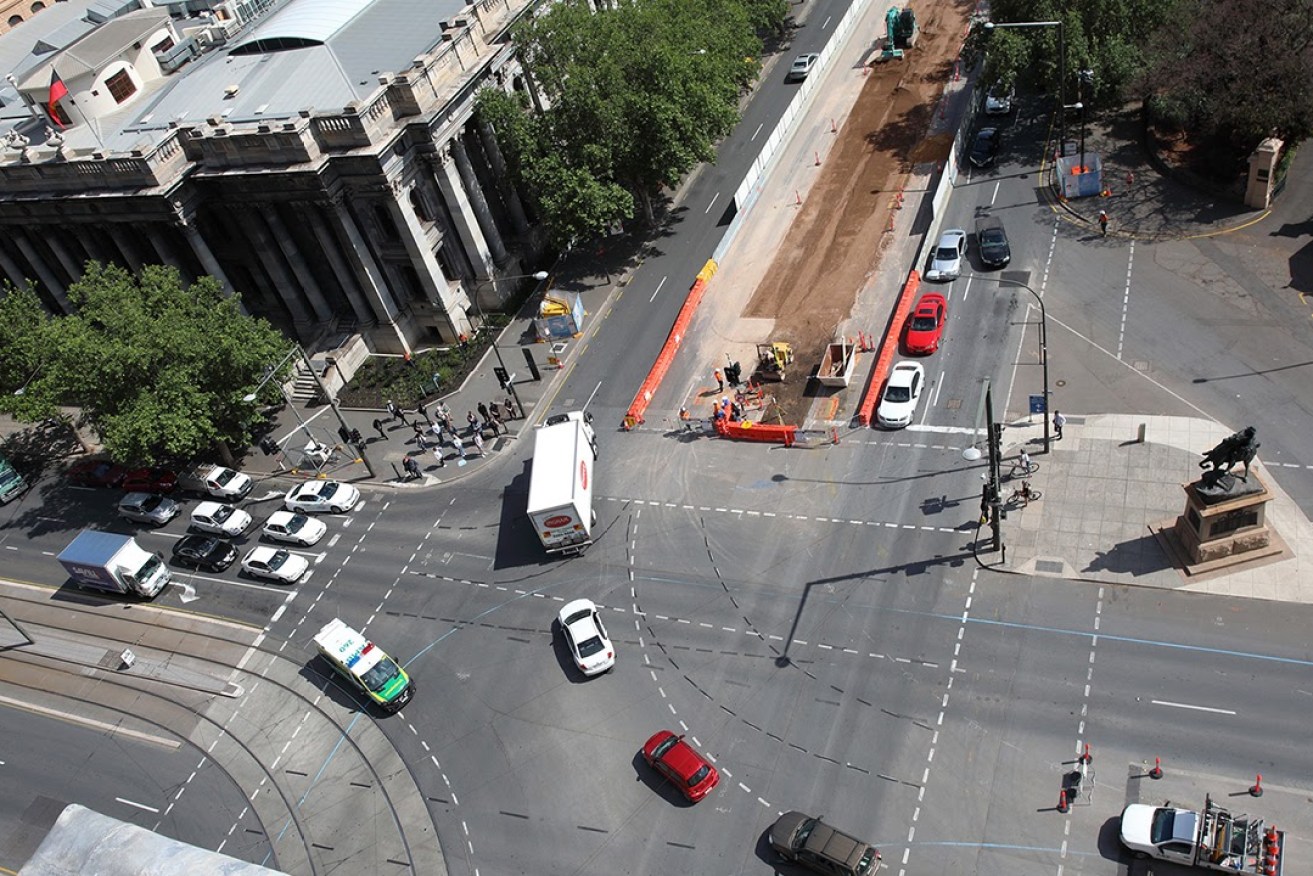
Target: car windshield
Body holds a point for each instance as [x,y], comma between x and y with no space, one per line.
[923,323]
[223,513]
[577,616]
[224,477]
[150,503]
[898,394]
[328,490]
[1161,829]
[589,647]
[377,678]
[278,558]
[698,776]
[296,521]
[946,253]
[992,237]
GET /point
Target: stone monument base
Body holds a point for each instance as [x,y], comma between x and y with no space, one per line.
[1222,535]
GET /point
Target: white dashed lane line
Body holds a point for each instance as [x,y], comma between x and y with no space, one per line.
[888,524]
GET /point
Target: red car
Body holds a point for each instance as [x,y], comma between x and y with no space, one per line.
[96,473]
[150,480]
[675,759]
[926,326]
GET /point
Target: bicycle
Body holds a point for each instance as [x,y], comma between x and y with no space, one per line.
[1020,469]
[1023,496]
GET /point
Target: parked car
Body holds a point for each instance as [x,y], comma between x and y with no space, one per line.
[984,149]
[220,519]
[679,762]
[297,528]
[901,393]
[204,552]
[947,261]
[817,846]
[150,480]
[586,637]
[318,496]
[992,243]
[802,65]
[926,327]
[275,564]
[998,102]
[149,508]
[95,473]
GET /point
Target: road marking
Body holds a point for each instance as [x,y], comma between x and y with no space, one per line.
[712,204]
[139,805]
[1193,707]
[658,289]
[754,134]
[69,717]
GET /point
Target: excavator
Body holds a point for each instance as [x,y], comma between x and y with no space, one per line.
[772,361]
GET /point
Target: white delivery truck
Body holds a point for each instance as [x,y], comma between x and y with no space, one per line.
[115,563]
[216,481]
[561,485]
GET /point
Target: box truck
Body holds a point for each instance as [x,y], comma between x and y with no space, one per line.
[114,563]
[561,486]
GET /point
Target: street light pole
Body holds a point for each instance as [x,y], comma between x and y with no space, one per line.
[1062,68]
[501,363]
[1043,343]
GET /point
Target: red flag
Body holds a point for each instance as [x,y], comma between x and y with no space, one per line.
[58,91]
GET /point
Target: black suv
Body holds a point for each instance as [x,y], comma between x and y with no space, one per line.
[817,846]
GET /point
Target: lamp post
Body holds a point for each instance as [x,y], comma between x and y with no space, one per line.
[1086,78]
[501,363]
[332,402]
[1062,67]
[1043,342]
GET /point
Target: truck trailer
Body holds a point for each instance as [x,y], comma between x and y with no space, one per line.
[561,486]
[114,563]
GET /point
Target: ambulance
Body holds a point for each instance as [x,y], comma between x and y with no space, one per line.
[365,665]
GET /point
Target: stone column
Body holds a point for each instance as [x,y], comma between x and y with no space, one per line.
[367,271]
[462,214]
[416,241]
[71,266]
[43,272]
[498,164]
[164,251]
[269,254]
[11,270]
[292,253]
[126,248]
[91,245]
[346,276]
[186,220]
[482,212]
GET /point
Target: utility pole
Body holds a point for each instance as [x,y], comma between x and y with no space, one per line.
[995,434]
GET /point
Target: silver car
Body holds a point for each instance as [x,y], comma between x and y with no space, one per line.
[946,264]
[149,508]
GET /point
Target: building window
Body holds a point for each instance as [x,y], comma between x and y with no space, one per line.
[15,20]
[418,203]
[38,6]
[121,86]
[162,46]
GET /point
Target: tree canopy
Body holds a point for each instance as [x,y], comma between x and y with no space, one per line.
[632,97]
[159,369]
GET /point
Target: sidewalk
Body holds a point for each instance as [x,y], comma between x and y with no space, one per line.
[1101,491]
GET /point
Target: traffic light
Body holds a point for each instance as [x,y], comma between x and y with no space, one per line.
[503,378]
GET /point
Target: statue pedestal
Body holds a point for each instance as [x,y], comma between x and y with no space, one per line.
[1224,533]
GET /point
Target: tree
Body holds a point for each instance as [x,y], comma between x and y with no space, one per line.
[159,369]
[635,96]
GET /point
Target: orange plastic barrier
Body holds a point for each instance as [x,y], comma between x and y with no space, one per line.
[888,348]
[749,431]
[666,357]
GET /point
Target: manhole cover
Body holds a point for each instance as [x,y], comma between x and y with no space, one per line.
[1051,567]
[954,404]
[1141,365]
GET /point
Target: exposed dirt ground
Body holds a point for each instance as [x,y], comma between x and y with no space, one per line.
[837,236]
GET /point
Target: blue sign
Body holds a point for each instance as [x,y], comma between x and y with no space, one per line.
[1037,405]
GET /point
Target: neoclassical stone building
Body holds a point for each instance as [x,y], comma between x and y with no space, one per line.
[319,156]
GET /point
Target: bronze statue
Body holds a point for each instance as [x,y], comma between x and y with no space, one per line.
[1240,447]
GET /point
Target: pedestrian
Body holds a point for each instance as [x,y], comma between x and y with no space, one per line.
[378,427]
[1103,222]
[483,411]
[419,430]
[1058,422]
[421,441]
[511,412]
[473,421]
[356,438]
[720,380]
[423,412]
[494,409]
[1025,462]
[394,412]
[478,443]
[437,454]
[460,448]
[497,424]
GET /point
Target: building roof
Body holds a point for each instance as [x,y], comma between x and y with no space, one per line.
[301,24]
[99,47]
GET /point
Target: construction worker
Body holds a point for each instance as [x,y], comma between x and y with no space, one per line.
[1103,222]
[720,380]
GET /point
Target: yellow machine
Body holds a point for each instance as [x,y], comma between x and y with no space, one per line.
[773,359]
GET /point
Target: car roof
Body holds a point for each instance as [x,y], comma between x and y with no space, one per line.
[987,223]
[903,372]
[930,299]
[951,235]
[282,516]
[834,845]
[987,132]
[207,508]
[261,552]
[135,498]
[683,759]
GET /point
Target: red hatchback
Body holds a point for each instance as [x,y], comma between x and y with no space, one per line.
[675,759]
[926,327]
[150,480]
[95,473]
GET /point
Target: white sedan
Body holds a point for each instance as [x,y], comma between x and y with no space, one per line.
[296,528]
[220,519]
[276,564]
[586,638]
[947,261]
[902,392]
[318,496]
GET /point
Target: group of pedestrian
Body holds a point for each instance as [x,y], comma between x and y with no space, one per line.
[435,427]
